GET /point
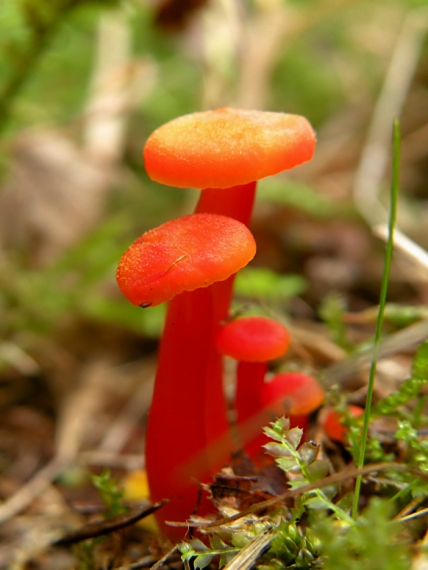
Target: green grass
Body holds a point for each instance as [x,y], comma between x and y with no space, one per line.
[395,182]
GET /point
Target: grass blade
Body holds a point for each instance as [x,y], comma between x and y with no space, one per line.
[382,302]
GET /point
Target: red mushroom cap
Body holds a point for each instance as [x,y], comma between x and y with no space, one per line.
[182,255]
[333,422]
[292,393]
[253,339]
[227,147]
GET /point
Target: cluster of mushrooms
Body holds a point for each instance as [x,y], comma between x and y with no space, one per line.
[191,262]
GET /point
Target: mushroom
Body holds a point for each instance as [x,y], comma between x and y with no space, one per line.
[292,394]
[229,150]
[333,422]
[223,153]
[182,257]
[252,341]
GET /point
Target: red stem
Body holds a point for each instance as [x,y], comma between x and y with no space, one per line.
[250,380]
[249,386]
[176,425]
[236,202]
[253,413]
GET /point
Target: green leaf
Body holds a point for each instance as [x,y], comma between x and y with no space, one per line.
[294,437]
[198,545]
[272,434]
[202,561]
[286,463]
[217,543]
[277,449]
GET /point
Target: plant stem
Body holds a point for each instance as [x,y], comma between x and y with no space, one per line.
[382,303]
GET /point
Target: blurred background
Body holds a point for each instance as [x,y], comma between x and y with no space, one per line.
[82,85]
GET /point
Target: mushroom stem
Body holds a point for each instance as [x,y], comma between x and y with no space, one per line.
[250,381]
[237,203]
[252,411]
[178,387]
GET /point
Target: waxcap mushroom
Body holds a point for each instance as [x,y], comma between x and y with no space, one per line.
[333,422]
[182,255]
[227,147]
[300,393]
[253,339]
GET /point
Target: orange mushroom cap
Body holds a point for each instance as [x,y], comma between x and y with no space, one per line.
[227,147]
[253,339]
[182,255]
[333,422]
[300,393]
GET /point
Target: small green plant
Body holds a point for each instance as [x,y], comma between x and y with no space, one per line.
[409,388]
[409,421]
[202,555]
[301,461]
[372,543]
[225,543]
[288,548]
[110,492]
[318,531]
[112,497]
[84,553]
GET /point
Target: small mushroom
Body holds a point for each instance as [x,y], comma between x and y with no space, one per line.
[333,422]
[292,394]
[252,341]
